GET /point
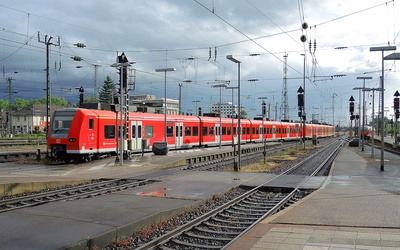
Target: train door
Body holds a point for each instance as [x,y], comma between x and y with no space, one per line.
[274,130]
[136,128]
[91,141]
[178,134]
[288,132]
[218,133]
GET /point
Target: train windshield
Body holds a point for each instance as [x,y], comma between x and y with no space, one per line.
[61,123]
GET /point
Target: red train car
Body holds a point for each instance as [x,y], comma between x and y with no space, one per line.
[80,134]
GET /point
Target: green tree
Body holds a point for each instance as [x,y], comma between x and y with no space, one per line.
[3,104]
[108,91]
[20,103]
[90,99]
[59,101]
[243,114]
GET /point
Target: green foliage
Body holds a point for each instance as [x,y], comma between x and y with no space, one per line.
[59,101]
[20,103]
[90,99]
[108,91]
[243,114]
[3,104]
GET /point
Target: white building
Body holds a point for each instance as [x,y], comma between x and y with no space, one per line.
[149,104]
[226,109]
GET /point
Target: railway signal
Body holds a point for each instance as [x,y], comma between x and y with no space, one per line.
[396,115]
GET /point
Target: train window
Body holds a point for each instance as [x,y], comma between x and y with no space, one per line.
[223,130]
[195,131]
[170,131]
[133,131]
[149,131]
[109,131]
[205,130]
[229,131]
[234,130]
[248,130]
[139,131]
[188,131]
[211,131]
[91,123]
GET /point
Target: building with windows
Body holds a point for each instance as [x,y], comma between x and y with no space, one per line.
[149,104]
[31,119]
[226,109]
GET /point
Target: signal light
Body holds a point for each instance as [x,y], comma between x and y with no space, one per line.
[300,100]
[396,103]
[351,107]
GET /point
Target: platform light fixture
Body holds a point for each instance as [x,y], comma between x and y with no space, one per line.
[235,60]
[363,105]
[165,70]
[382,50]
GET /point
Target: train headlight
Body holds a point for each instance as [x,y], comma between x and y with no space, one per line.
[72,140]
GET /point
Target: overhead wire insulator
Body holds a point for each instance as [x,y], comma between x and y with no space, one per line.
[80,45]
[315,45]
[77,58]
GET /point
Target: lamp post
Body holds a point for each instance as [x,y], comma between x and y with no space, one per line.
[9,115]
[383,49]
[232,115]
[196,111]
[180,94]
[165,70]
[220,86]
[373,118]
[394,56]
[304,100]
[234,60]
[359,113]
[363,111]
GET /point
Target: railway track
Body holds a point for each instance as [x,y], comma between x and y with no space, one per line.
[220,227]
[83,191]
[223,163]
[21,142]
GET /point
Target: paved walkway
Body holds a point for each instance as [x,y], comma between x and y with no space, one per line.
[356,208]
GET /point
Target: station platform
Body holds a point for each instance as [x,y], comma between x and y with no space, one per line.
[357,207]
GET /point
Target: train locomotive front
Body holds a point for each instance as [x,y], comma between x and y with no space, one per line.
[80,134]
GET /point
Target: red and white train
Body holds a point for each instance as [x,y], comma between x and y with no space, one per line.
[77,134]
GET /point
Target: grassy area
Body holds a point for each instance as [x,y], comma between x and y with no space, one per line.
[275,161]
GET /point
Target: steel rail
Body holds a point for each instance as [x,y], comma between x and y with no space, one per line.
[184,228]
[81,191]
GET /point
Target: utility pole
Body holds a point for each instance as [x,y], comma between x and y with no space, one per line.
[9,80]
[96,87]
[47,42]
[333,109]
[284,103]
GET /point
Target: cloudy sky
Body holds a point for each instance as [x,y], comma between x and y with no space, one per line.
[194,36]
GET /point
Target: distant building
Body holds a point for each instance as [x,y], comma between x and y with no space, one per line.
[31,118]
[149,104]
[226,109]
